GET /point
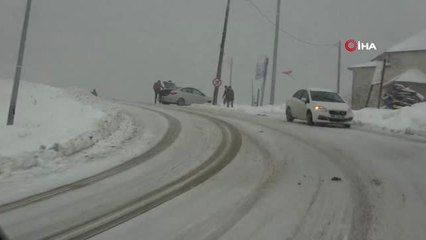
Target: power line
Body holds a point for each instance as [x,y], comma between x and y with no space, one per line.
[287,32]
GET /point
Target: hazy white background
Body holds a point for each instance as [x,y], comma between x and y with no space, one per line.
[122,47]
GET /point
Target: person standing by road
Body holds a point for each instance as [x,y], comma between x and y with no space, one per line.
[230,97]
[157,90]
[225,96]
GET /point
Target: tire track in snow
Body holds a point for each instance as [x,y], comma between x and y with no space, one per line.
[225,153]
[168,139]
[233,214]
[362,211]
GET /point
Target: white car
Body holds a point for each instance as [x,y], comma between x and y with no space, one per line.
[318,106]
[184,96]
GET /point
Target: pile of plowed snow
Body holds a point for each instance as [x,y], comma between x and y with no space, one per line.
[51,124]
[407,120]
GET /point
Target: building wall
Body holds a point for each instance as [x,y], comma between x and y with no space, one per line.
[399,63]
[361,84]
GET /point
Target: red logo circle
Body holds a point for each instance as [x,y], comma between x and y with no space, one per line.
[351,45]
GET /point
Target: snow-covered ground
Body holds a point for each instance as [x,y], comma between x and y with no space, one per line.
[264,110]
[281,186]
[60,136]
[407,120]
[49,123]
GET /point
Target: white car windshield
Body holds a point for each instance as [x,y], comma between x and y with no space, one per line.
[320,96]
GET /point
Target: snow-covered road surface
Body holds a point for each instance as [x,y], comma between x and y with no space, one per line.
[177,163]
[278,186]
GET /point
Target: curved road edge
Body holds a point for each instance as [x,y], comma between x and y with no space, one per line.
[173,131]
[225,153]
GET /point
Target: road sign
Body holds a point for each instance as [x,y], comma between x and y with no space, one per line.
[217,82]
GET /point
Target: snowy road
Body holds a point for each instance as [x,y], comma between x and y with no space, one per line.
[277,186]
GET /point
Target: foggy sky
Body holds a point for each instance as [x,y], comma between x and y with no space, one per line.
[122,47]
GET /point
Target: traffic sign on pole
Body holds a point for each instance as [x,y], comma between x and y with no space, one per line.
[222,50]
[217,82]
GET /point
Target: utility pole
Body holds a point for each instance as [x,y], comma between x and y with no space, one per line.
[274,64]
[379,101]
[258,96]
[265,73]
[222,50]
[17,78]
[230,73]
[252,94]
[339,62]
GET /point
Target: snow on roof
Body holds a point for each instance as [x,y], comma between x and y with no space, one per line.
[413,43]
[320,90]
[412,75]
[364,65]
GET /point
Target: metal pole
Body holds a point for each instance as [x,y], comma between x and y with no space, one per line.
[369,95]
[274,65]
[222,50]
[339,63]
[230,73]
[15,88]
[265,73]
[258,95]
[252,94]
[379,101]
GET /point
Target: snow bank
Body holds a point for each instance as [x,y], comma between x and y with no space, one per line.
[51,123]
[264,110]
[408,120]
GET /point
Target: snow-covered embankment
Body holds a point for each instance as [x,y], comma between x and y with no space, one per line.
[407,120]
[51,124]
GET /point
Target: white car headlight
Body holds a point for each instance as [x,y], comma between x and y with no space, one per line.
[320,108]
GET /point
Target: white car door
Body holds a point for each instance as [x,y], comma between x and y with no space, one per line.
[198,96]
[186,94]
[300,105]
[291,103]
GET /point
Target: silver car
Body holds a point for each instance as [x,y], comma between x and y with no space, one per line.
[184,96]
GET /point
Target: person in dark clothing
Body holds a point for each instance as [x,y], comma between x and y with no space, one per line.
[3,235]
[94,92]
[230,97]
[225,96]
[157,90]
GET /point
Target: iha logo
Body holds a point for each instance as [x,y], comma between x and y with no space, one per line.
[352,45]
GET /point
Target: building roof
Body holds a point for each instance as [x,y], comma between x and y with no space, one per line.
[364,65]
[320,90]
[416,42]
[371,64]
[412,75]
